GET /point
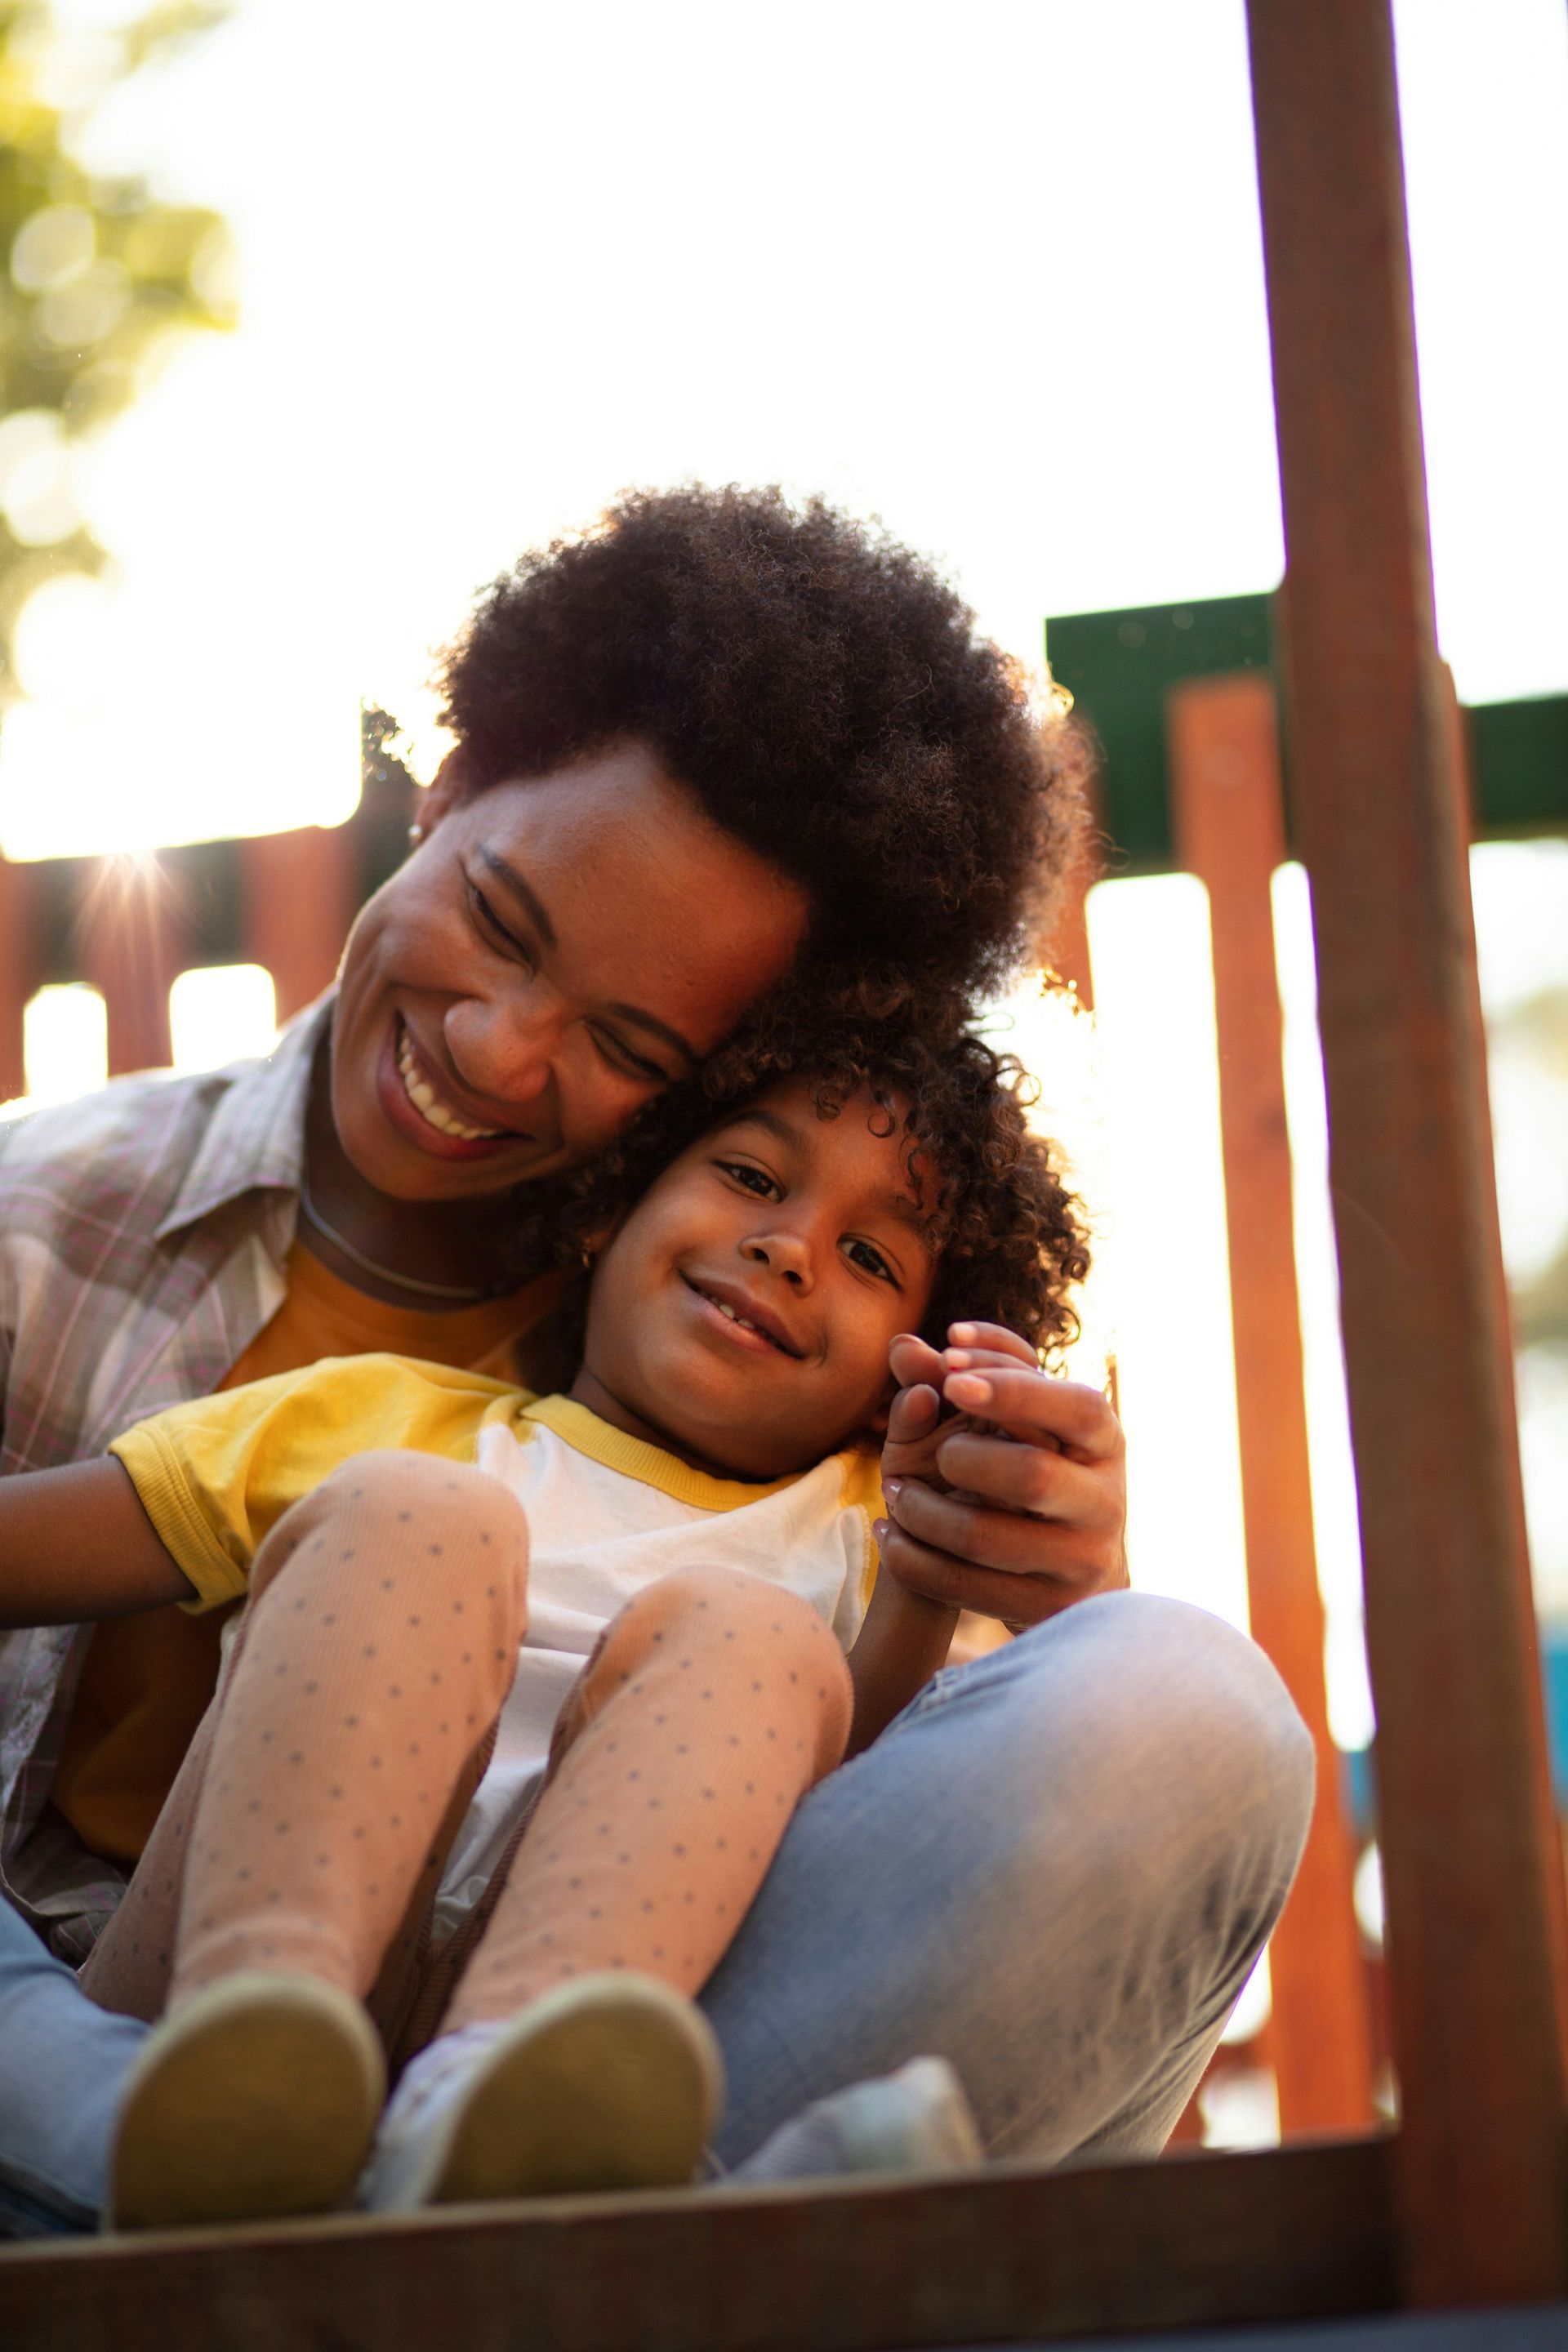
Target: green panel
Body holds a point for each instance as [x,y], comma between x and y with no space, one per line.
[1519,752]
[1119,666]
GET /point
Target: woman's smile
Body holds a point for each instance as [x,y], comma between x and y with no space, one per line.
[419,1105]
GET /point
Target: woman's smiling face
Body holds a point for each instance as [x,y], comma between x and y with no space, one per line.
[558,950]
[744,1310]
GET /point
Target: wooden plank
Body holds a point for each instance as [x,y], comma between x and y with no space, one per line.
[1228,818]
[1472,1869]
[133,941]
[299,898]
[976,2258]
[18,973]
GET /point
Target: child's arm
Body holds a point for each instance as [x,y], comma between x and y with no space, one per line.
[906,1635]
[77,1544]
[903,1642]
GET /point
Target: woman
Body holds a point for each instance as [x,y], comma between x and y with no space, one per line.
[712,743]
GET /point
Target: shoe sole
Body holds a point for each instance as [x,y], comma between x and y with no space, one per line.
[259,2096]
[613,2082]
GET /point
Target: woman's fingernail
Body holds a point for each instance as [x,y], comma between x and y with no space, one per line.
[890,1488]
[965,1333]
[879,1530]
[969,1388]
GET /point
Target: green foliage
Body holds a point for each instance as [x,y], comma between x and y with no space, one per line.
[94,274]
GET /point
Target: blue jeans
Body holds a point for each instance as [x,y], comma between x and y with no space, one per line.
[1055,1869]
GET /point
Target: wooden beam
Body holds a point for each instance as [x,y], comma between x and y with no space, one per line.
[1472,1868]
[988,2257]
[1228,820]
[18,972]
[299,898]
[134,939]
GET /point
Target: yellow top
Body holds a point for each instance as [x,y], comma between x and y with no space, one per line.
[216,1476]
[147,1679]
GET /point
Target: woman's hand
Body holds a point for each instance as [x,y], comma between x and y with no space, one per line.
[1016,1507]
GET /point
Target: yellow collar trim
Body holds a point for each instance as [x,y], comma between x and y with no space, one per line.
[650,1465]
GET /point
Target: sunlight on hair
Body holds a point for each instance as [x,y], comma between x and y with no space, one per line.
[221,1013]
[65,1044]
[1165,1252]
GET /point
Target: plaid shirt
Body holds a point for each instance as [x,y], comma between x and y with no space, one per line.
[144,1232]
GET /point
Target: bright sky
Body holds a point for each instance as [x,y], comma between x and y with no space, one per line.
[991,272]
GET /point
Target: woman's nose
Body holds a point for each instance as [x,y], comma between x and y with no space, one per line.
[786,1254]
[509,1057]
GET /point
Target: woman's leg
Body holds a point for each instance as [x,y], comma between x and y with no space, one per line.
[62,2066]
[1056,1870]
[570,2056]
[308,1829]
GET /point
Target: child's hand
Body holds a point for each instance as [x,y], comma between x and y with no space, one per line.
[919,1421]
[1016,1517]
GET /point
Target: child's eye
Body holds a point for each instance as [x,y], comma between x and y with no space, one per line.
[751,1179]
[870,1261]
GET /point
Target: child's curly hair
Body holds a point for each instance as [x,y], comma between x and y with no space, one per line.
[824,695]
[1009,1237]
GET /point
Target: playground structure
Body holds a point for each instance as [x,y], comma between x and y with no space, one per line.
[1466,2202]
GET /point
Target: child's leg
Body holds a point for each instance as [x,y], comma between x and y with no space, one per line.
[310,1820]
[712,1703]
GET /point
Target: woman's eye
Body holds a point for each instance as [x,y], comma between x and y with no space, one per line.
[870,1261]
[621,1057]
[490,923]
[751,1179]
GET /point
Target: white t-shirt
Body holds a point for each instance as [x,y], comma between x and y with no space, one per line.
[608,1515]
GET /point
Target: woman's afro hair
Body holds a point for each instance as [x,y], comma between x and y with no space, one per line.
[824,694]
[1010,1238]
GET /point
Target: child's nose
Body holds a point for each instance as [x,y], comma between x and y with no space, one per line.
[786,1254]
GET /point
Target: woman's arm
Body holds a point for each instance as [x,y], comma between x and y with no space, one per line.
[903,1641]
[77,1544]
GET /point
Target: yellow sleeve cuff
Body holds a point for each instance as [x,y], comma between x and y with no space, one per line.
[166,1496]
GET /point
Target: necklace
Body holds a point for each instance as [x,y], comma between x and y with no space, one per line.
[408,1282]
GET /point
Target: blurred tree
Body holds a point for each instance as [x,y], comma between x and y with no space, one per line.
[94,273]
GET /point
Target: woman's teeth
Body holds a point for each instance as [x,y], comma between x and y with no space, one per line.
[428,1104]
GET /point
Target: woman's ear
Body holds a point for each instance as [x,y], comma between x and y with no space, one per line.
[451,784]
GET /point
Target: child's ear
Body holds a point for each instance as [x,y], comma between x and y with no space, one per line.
[877,1419]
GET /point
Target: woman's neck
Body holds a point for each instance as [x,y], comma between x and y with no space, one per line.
[455,1247]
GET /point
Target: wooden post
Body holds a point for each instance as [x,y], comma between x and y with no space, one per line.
[1472,1869]
[133,939]
[298,898]
[1229,825]
[18,973]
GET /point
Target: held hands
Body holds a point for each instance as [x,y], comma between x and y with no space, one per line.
[1015,1504]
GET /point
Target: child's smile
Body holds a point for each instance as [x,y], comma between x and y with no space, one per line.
[742,1318]
[744,1312]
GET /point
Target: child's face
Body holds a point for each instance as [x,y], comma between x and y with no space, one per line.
[745,1307]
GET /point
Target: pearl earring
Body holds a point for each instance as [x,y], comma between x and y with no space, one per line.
[416,834]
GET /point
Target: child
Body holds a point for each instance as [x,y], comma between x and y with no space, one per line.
[694,1519]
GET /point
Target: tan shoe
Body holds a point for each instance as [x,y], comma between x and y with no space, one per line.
[258,2096]
[614,2081]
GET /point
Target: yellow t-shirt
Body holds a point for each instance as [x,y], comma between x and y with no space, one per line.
[607,1513]
[147,1679]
